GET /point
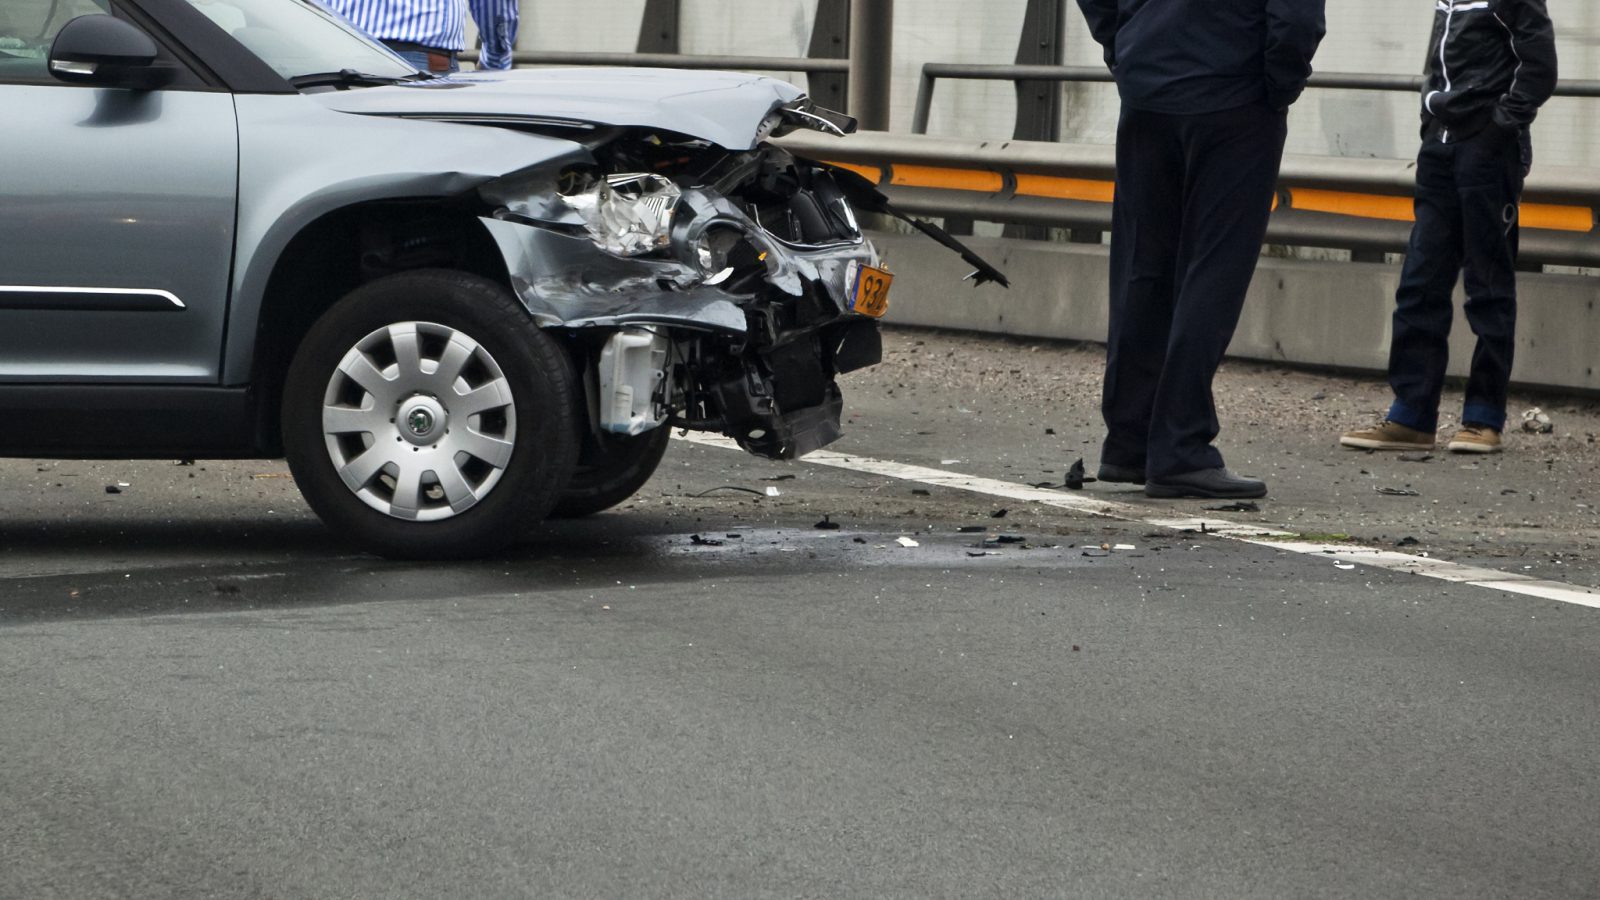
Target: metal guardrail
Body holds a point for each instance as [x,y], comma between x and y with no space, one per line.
[1361,205]
[677,61]
[932,72]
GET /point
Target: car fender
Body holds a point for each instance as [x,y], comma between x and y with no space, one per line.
[300,161]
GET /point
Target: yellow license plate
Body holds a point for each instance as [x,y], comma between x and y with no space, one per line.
[869,296]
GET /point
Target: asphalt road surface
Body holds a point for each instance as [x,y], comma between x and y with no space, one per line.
[702,694]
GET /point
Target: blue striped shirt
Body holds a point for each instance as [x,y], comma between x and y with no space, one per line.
[437,24]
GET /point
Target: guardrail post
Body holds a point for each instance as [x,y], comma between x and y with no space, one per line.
[1039,102]
[658,28]
[830,39]
[871,54]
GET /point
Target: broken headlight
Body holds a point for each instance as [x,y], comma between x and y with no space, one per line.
[629,214]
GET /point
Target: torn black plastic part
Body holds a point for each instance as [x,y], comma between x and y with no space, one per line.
[865,196]
[860,346]
[806,114]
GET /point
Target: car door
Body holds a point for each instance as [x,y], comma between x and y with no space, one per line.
[116,216]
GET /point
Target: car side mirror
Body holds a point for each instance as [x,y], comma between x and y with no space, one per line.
[106,51]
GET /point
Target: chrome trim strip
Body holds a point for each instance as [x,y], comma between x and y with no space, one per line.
[109,299]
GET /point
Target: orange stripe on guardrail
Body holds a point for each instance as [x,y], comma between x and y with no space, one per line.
[873,174]
[1546,216]
[1065,188]
[1557,218]
[949,179]
[1365,206]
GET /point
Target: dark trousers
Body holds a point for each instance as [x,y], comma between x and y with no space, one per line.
[1193,196]
[1466,209]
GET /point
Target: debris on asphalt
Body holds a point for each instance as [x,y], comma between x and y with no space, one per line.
[728,487]
[113,489]
[1049,431]
[699,541]
[1009,539]
[779,478]
[982,553]
[185,462]
[859,540]
[999,514]
[223,588]
[1124,547]
[1407,542]
[1075,479]
[906,542]
[774,492]
[948,462]
[1535,421]
[1345,566]
[1416,457]
[972,529]
[827,524]
[921,492]
[1096,552]
[1236,506]
[1397,492]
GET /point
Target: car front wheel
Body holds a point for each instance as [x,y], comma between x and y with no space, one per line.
[612,472]
[426,416]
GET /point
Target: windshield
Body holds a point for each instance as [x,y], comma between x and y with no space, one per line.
[300,37]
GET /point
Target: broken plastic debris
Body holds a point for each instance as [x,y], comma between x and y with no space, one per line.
[773,492]
[1124,547]
[1536,422]
[1075,479]
[1397,492]
[906,542]
[113,489]
[972,529]
[727,487]
[1345,566]
[948,462]
[699,541]
[1236,506]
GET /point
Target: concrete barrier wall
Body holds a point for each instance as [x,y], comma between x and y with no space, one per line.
[1298,312]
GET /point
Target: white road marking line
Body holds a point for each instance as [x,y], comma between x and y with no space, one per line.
[1425,566]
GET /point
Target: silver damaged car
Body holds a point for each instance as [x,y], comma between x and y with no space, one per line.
[241,229]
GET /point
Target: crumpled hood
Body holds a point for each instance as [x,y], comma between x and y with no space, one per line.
[726,108]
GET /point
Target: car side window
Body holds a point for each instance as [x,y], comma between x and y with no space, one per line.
[27,28]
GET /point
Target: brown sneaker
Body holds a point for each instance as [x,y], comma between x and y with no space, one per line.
[1387,435]
[1475,439]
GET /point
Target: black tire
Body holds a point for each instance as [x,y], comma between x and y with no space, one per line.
[528,381]
[617,469]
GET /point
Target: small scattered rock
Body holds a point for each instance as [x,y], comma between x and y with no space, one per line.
[1535,421]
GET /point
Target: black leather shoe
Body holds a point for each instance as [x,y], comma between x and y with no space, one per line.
[1206,483]
[1120,474]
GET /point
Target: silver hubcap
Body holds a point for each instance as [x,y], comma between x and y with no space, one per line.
[419,421]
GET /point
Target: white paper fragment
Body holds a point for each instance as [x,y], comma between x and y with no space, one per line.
[906,542]
[1124,547]
[772,492]
[1345,566]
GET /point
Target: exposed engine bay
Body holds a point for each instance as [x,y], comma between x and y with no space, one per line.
[711,289]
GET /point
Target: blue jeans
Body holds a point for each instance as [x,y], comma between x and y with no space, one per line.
[1466,210]
[420,60]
